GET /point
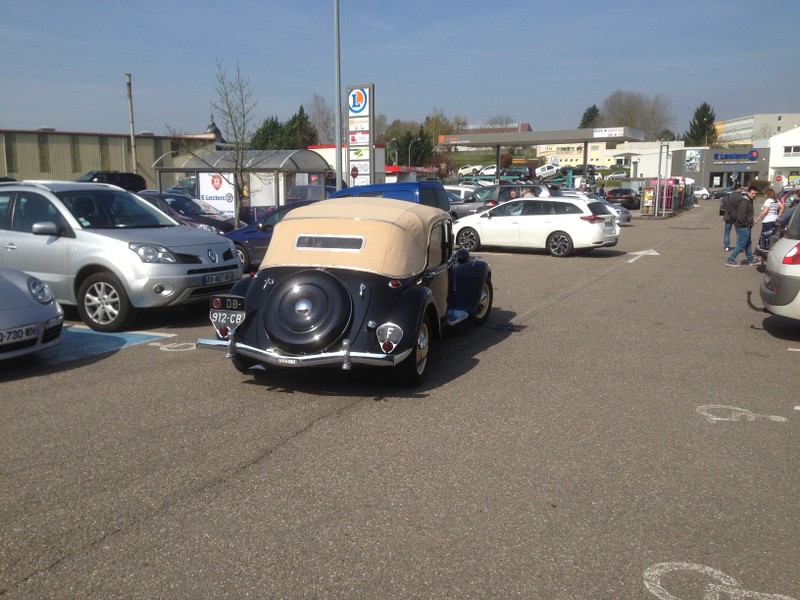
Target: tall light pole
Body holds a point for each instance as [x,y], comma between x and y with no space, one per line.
[409,149]
[338,86]
[705,148]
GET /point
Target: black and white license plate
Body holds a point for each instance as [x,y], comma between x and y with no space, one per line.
[218,278]
[18,334]
[227,310]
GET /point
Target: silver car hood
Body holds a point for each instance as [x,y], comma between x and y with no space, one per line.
[173,237]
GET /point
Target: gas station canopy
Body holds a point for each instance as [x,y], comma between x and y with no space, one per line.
[538,138]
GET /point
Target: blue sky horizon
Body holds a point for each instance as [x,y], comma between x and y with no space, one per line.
[535,62]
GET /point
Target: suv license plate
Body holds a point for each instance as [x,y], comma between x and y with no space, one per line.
[218,278]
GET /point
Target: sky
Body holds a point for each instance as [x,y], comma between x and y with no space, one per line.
[537,62]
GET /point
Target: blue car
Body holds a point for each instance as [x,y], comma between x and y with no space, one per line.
[251,242]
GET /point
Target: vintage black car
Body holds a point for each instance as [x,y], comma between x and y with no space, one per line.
[353,281]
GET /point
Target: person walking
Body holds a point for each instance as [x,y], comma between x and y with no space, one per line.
[731,199]
[742,213]
[767,216]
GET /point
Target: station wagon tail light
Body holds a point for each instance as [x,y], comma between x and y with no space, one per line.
[389,335]
[793,256]
[592,218]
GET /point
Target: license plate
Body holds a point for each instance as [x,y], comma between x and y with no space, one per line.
[227,310]
[18,334]
[218,278]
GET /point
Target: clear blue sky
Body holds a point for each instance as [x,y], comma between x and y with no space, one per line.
[544,63]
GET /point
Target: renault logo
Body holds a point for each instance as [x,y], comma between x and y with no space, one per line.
[213,256]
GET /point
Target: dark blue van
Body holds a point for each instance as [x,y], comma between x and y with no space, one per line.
[429,193]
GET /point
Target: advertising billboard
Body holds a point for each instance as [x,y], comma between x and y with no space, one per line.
[218,190]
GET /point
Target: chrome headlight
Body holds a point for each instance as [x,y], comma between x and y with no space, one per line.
[211,228]
[152,253]
[40,291]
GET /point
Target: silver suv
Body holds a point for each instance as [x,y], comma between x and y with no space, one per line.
[107,251]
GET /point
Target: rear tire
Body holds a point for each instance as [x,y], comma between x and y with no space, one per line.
[103,302]
[468,239]
[484,304]
[559,244]
[414,369]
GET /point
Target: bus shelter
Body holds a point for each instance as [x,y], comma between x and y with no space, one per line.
[268,176]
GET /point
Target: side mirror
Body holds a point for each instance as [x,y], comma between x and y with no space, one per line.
[44,228]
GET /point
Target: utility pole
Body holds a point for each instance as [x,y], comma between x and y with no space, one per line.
[130,116]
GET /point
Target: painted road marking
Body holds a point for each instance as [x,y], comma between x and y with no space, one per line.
[725,586]
[79,341]
[733,413]
[641,253]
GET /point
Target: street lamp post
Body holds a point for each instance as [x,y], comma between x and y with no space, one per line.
[393,141]
[409,149]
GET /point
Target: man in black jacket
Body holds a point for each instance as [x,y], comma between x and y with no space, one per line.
[731,199]
[742,217]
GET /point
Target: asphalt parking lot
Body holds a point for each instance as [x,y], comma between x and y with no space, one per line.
[624,426]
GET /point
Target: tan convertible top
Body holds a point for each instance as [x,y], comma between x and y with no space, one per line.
[378,235]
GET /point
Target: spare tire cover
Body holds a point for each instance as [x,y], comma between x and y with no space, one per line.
[307,312]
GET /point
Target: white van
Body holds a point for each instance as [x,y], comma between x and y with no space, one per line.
[546,171]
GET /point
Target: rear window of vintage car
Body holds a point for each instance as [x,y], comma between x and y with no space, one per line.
[329,242]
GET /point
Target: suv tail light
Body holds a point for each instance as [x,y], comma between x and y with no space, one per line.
[592,218]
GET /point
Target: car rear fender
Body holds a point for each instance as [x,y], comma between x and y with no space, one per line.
[412,305]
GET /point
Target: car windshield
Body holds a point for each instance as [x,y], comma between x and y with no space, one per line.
[184,206]
[107,208]
[208,210]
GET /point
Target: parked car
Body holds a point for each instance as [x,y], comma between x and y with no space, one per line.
[353,281]
[780,289]
[562,226]
[462,200]
[127,181]
[308,192]
[108,251]
[617,175]
[495,194]
[429,193]
[520,172]
[546,172]
[720,193]
[469,170]
[622,214]
[626,197]
[251,242]
[701,193]
[461,190]
[30,317]
[489,170]
[193,218]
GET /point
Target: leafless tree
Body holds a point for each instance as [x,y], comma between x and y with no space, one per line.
[631,109]
[234,109]
[321,115]
[500,122]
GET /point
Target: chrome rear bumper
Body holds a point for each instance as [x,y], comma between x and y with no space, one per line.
[271,356]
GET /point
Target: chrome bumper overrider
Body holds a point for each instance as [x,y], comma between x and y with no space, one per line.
[272,356]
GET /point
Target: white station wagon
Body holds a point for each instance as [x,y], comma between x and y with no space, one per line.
[560,225]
